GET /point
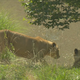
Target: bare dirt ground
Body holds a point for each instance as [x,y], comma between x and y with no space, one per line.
[67,40]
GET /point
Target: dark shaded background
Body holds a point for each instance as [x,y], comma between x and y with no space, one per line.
[67,40]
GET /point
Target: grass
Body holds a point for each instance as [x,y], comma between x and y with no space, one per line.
[6,22]
[53,73]
[6,55]
[20,71]
[15,68]
[11,69]
[12,72]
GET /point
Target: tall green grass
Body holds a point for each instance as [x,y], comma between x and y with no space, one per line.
[12,72]
[7,23]
[20,71]
[6,56]
[53,73]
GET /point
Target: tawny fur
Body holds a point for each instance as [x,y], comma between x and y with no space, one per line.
[26,46]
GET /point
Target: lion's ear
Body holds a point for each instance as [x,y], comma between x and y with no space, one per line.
[54,44]
[76,51]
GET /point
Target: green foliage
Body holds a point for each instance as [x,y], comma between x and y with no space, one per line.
[75,3]
[51,13]
[53,73]
[6,22]
[20,73]
[6,55]
[13,72]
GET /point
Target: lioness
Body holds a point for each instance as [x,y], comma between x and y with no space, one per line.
[26,46]
[76,58]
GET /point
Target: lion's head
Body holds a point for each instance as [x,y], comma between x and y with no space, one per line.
[76,58]
[76,54]
[54,51]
